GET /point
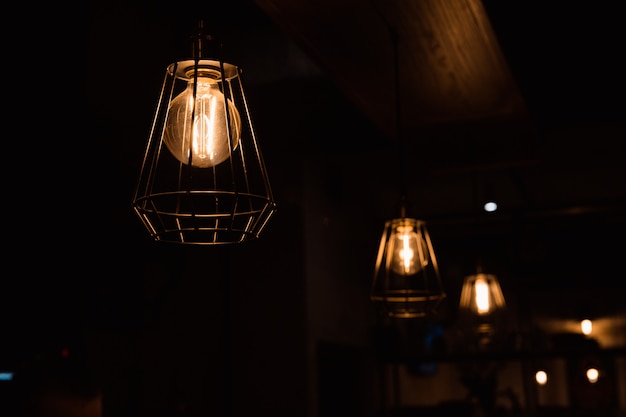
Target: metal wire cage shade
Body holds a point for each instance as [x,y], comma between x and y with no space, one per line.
[407,282]
[203,179]
[482,307]
[481,295]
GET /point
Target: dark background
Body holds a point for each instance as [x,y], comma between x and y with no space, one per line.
[82,83]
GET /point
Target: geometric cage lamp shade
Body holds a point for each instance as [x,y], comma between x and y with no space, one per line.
[407,282]
[203,180]
[482,308]
[481,294]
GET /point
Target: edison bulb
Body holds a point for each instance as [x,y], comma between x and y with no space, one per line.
[482,296]
[409,254]
[204,139]
[586,326]
[593,375]
[541,377]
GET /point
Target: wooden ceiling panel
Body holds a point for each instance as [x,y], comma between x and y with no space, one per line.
[453,63]
[451,67]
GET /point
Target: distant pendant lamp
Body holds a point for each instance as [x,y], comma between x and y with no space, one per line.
[407,282]
[203,180]
[482,307]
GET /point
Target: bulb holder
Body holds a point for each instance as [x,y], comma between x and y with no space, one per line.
[407,282]
[180,201]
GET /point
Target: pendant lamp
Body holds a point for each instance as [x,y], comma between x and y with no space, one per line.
[203,180]
[407,282]
[482,308]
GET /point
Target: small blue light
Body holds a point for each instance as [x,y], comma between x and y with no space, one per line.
[6,376]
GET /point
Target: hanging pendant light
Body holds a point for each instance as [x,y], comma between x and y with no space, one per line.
[203,180]
[407,282]
[482,308]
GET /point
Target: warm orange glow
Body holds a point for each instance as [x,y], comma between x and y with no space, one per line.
[203,139]
[541,377]
[408,251]
[482,296]
[586,327]
[593,375]
[406,280]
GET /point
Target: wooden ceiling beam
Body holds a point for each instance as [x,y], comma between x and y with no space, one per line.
[451,67]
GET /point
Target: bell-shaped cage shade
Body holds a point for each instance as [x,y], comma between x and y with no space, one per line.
[481,295]
[203,179]
[482,308]
[407,282]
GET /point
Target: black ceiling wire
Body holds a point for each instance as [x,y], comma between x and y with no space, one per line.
[400,139]
[400,145]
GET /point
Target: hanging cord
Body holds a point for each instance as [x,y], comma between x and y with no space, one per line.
[400,145]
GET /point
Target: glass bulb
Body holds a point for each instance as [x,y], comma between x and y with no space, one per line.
[482,296]
[541,377]
[593,375]
[586,326]
[409,251]
[205,140]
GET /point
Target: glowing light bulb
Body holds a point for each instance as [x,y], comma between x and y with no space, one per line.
[586,326]
[204,140]
[409,251]
[592,375]
[541,377]
[482,296]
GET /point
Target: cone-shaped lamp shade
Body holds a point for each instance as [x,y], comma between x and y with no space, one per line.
[481,295]
[203,179]
[406,283]
[482,308]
